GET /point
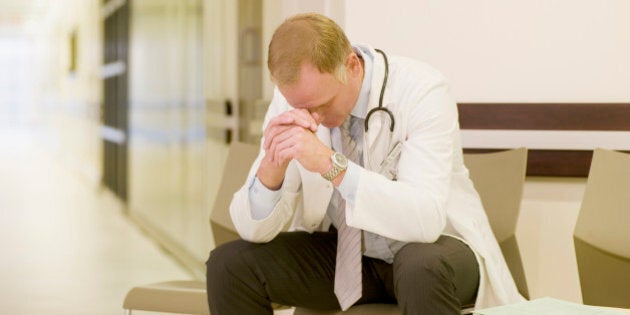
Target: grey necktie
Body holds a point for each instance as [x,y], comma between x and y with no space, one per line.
[348,282]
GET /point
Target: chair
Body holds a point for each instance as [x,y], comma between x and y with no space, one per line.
[601,236]
[189,297]
[498,178]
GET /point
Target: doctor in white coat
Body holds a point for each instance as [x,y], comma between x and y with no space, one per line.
[426,241]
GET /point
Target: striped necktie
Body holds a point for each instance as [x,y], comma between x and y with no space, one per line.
[348,282]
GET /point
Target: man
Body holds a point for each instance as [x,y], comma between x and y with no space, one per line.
[419,236]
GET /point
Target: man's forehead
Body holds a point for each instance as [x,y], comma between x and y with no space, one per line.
[304,96]
[311,89]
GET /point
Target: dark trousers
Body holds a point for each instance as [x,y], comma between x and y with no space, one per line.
[298,269]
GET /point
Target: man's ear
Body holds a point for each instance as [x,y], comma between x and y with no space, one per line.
[353,63]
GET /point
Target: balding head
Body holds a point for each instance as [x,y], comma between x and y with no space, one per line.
[311,38]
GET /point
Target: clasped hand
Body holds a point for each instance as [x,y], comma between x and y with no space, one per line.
[291,135]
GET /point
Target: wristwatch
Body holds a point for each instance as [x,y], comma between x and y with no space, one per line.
[339,164]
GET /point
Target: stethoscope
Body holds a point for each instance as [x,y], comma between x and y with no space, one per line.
[395,151]
[380,99]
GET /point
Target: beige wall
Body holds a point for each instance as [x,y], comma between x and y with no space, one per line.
[68,104]
[518,51]
[170,173]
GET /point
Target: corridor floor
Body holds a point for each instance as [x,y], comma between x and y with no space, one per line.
[67,247]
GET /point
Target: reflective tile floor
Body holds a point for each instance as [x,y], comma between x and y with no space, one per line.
[66,247]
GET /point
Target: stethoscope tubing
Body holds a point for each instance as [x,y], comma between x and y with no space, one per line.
[380,99]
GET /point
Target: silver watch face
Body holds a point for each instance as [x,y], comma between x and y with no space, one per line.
[340,160]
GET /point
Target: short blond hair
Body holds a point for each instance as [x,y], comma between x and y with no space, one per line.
[308,37]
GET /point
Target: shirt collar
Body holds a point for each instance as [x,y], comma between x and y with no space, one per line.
[360,108]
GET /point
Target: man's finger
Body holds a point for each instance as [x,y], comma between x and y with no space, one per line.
[272,131]
[303,118]
[284,152]
[299,117]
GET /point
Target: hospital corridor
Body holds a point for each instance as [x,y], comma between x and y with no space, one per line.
[118,118]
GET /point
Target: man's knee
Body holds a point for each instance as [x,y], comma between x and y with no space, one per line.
[232,280]
[421,268]
[227,260]
[423,281]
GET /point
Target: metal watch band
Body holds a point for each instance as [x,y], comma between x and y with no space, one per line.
[336,167]
[332,173]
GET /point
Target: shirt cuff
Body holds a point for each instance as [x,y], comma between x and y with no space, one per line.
[348,186]
[262,200]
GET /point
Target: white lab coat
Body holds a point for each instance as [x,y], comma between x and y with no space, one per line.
[432,183]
